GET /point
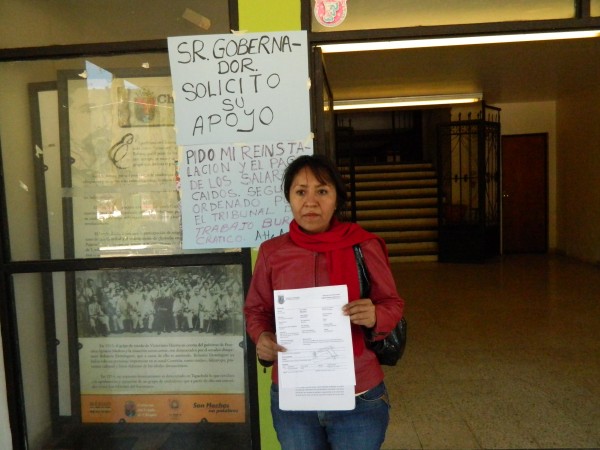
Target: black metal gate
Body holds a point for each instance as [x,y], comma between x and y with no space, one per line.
[469,187]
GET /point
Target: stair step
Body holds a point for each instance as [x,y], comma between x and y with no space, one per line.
[397,193]
[419,202]
[413,258]
[365,176]
[399,202]
[399,213]
[408,235]
[415,247]
[394,184]
[386,168]
[399,224]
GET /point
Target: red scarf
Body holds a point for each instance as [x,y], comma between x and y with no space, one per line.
[336,243]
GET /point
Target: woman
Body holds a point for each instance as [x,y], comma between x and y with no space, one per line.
[318,251]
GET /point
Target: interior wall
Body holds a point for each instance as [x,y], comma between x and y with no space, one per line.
[579,162]
[31,23]
[531,118]
[5,435]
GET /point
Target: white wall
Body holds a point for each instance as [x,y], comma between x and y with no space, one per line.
[578,182]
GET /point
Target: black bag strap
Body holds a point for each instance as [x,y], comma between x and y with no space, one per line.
[363,274]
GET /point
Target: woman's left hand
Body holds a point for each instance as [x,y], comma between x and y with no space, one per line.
[361,312]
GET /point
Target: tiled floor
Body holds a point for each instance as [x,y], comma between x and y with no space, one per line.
[501,355]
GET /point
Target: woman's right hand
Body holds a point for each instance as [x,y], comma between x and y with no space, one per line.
[267,347]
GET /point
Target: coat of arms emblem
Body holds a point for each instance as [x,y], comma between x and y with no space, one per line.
[330,13]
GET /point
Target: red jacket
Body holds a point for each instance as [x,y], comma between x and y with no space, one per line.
[281,264]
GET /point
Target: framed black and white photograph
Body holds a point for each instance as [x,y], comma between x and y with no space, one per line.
[150,339]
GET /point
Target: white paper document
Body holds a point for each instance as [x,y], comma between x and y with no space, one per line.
[317,370]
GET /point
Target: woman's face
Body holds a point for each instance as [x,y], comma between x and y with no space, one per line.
[313,203]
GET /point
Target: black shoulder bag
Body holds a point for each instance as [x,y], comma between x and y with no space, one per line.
[389,350]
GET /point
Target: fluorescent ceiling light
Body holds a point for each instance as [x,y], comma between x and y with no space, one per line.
[447,42]
[390,102]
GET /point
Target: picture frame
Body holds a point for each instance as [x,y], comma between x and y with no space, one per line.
[67,340]
[43,103]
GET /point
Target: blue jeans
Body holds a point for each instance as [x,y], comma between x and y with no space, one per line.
[362,428]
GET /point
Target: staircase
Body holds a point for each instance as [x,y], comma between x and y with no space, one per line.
[398,202]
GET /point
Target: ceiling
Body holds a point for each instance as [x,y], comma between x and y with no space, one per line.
[504,73]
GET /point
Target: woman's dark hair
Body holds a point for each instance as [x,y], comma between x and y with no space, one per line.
[324,170]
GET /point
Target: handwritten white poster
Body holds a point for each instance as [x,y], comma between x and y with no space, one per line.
[241,116]
[239,88]
[232,195]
